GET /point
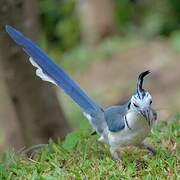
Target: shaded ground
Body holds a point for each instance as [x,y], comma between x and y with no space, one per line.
[113,80]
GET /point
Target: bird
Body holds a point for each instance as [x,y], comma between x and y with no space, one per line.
[117,125]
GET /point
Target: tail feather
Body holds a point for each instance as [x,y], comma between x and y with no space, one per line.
[51,72]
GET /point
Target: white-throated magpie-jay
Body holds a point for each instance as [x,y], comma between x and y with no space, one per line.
[119,125]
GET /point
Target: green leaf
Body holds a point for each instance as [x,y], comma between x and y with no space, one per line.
[71,140]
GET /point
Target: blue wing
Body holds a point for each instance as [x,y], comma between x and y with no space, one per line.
[114,116]
[54,72]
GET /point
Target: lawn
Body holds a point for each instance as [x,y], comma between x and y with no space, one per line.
[81,156]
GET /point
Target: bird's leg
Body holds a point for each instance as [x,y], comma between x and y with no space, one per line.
[114,152]
[103,138]
[144,145]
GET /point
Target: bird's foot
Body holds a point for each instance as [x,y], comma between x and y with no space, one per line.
[151,150]
[114,153]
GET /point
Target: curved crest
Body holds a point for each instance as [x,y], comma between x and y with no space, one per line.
[140,90]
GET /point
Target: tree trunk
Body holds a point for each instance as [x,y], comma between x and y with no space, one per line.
[10,133]
[37,108]
[96,17]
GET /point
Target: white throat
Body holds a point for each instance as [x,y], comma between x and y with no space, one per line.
[136,120]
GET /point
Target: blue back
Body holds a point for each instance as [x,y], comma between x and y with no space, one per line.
[51,69]
[114,116]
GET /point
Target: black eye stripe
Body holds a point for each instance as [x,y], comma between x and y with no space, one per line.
[129,105]
[150,102]
[135,105]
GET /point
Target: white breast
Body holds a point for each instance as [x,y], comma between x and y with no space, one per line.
[134,134]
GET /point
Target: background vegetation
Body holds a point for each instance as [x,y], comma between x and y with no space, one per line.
[61,28]
[146,36]
[80,156]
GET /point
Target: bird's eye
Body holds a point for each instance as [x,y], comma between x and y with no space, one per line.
[150,102]
[135,105]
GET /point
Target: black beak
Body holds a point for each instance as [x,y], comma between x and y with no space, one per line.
[145,113]
[140,90]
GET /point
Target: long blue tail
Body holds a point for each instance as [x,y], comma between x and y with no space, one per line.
[56,73]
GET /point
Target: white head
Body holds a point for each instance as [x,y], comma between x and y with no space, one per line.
[142,100]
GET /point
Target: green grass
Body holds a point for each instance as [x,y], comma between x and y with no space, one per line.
[80,156]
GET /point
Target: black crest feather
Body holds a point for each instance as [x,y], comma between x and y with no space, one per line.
[140,89]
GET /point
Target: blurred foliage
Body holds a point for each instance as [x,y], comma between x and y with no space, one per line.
[175,40]
[84,55]
[60,23]
[150,18]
